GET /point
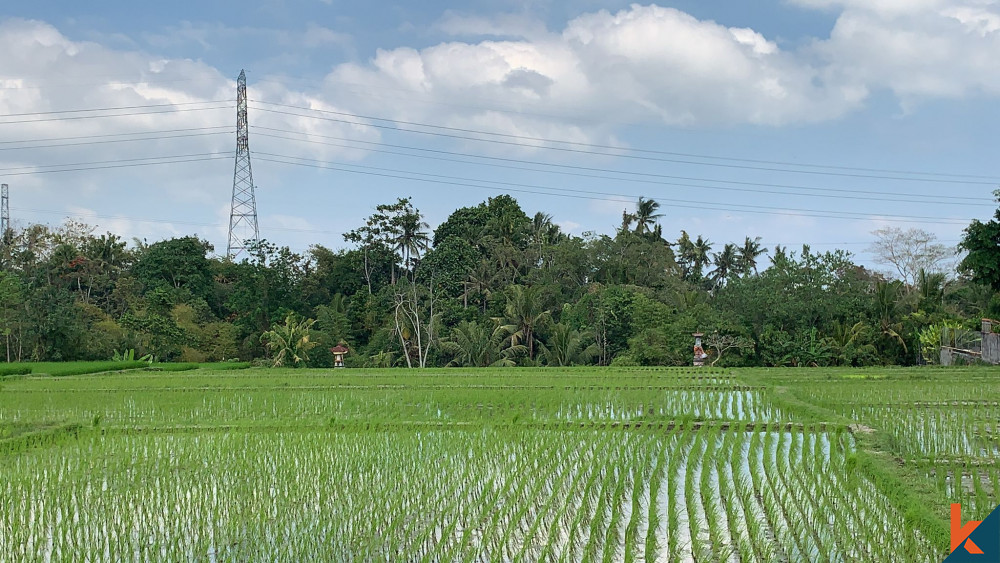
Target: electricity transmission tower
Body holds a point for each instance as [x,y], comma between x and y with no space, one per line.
[4,213]
[243,217]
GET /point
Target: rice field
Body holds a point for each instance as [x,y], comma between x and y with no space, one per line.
[494,465]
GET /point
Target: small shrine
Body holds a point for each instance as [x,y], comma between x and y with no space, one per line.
[338,355]
[699,351]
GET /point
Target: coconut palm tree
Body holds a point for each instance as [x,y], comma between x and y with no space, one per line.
[524,314]
[289,342]
[478,284]
[565,347]
[646,215]
[726,262]
[543,233]
[627,220]
[685,254]
[411,236]
[700,256]
[751,250]
[930,286]
[886,303]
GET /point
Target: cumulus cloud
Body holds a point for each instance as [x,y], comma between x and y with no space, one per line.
[649,64]
[52,73]
[643,64]
[917,49]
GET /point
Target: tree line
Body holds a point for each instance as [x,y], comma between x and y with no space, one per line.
[491,286]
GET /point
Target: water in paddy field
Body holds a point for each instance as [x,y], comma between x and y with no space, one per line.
[449,495]
[677,404]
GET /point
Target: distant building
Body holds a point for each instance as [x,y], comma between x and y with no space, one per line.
[986,349]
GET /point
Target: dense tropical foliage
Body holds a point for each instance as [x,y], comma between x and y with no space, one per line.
[491,285]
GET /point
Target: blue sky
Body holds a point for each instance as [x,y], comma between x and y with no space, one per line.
[711,108]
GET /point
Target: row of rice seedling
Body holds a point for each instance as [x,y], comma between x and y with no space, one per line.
[319,405]
[975,484]
[223,376]
[476,494]
[944,426]
[927,419]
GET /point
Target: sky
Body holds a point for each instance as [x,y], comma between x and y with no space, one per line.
[797,121]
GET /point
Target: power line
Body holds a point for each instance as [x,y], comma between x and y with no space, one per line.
[855,194]
[115,134]
[108,141]
[115,108]
[821,169]
[590,195]
[643,156]
[108,83]
[130,114]
[123,164]
[469,182]
[117,161]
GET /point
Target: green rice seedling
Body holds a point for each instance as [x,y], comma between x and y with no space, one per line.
[654,534]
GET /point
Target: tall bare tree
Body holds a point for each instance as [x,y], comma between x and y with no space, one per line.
[909,251]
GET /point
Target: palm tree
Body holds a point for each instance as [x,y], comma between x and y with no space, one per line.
[542,228]
[543,232]
[931,288]
[844,335]
[627,220]
[726,263]
[475,345]
[700,254]
[289,342]
[411,237]
[478,284]
[646,215]
[565,347]
[525,312]
[886,301]
[338,303]
[685,254]
[748,255]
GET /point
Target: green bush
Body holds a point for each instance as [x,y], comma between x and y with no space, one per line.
[14,370]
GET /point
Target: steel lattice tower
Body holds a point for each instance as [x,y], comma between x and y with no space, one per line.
[4,213]
[243,217]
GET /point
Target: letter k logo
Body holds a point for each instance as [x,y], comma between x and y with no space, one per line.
[960,533]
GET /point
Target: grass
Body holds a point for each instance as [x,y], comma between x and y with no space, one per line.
[526,464]
[63,369]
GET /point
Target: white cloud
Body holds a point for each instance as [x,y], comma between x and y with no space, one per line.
[569,226]
[210,36]
[918,49]
[652,64]
[126,227]
[603,70]
[54,73]
[504,25]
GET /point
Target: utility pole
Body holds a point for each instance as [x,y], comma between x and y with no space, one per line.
[243,217]
[4,213]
